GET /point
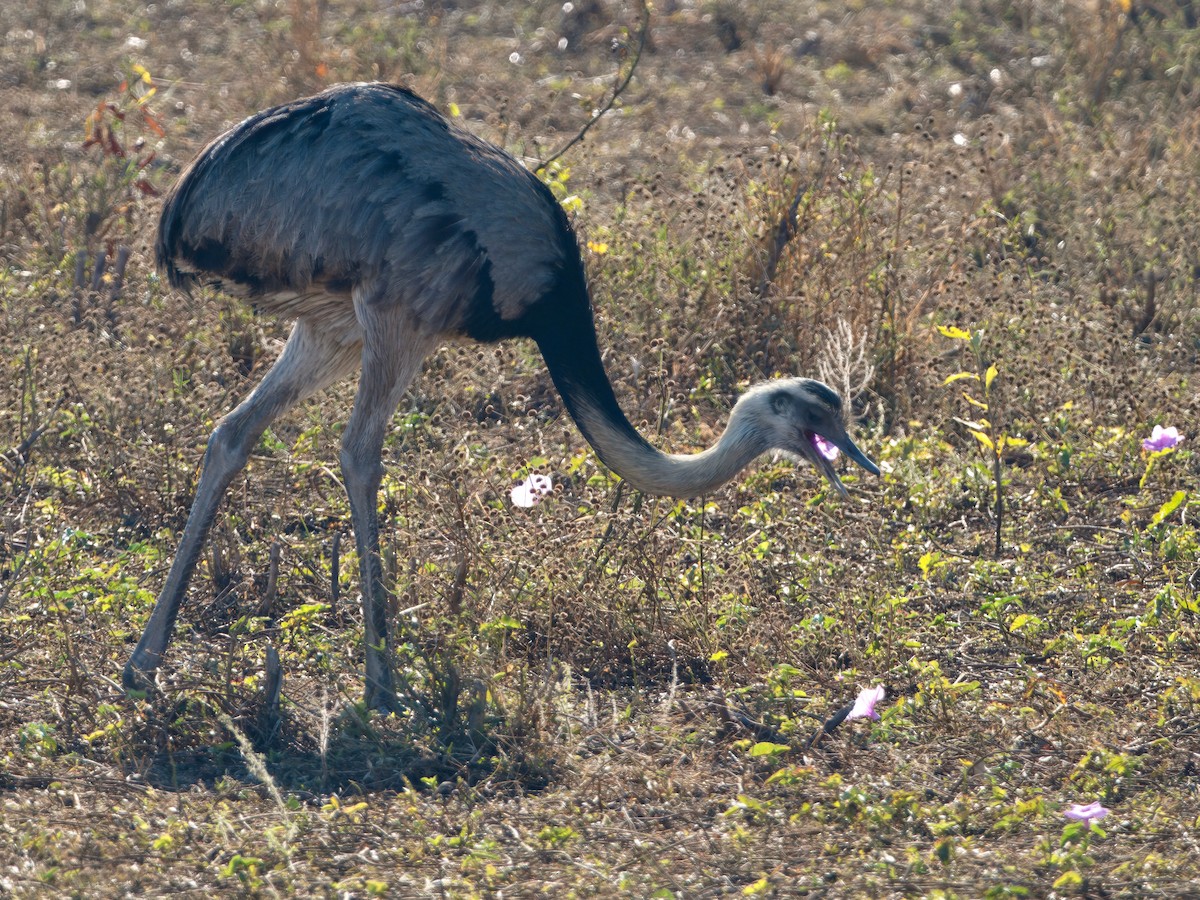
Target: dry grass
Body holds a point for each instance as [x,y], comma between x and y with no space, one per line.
[613,694]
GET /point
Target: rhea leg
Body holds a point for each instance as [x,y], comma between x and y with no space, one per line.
[392,352]
[313,358]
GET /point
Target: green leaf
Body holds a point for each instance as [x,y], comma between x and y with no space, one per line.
[1167,508]
[1069,879]
[956,333]
[759,887]
[1025,620]
[239,863]
[766,748]
[926,562]
[959,376]
[944,851]
[985,440]
[505,621]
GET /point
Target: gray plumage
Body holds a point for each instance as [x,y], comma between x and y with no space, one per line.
[364,184]
[382,229]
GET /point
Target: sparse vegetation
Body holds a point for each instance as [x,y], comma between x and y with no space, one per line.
[615,694]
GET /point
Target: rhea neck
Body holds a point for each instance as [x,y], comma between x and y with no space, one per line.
[669,474]
[566,336]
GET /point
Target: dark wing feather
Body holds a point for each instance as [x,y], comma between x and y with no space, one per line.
[365,185]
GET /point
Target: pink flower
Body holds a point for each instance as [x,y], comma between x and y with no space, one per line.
[864,704]
[531,491]
[1161,439]
[825,448]
[1086,813]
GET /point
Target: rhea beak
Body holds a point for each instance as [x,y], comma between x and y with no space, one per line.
[845,445]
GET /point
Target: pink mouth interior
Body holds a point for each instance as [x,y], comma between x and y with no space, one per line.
[824,447]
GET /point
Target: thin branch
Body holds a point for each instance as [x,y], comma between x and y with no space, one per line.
[18,456]
[335,586]
[617,91]
[267,603]
[787,227]
[98,270]
[118,273]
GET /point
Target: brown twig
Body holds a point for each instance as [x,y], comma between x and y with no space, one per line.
[272,685]
[454,601]
[18,456]
[335,560]
[118,273]
[80,286]
[87,292]
[785,230]
[269,593]
[98,270]
[617,91]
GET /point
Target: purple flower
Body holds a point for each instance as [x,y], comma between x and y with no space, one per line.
[864,703]
[825,448]
[531,491]
[1086,813]
[1161,439]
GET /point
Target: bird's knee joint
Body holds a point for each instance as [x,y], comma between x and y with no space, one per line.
[361,469]
[226,446]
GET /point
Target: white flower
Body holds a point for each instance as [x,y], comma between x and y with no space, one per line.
[531,491]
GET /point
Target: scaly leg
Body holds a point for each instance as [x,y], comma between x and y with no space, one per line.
[393,349]
[314,357]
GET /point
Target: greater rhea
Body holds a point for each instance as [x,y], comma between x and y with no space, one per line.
[383,229]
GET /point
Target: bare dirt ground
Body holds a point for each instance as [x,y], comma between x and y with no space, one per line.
[979,221]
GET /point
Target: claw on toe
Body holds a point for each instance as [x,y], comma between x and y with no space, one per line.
[382,702]
[380,696]
[136,681]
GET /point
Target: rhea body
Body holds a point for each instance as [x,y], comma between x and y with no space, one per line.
[382,229]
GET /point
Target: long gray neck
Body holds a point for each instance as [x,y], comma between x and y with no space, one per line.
[565,332]
[667,474]
[580,378]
